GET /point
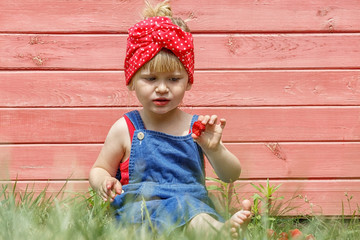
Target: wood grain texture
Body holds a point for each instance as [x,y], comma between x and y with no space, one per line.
[224,88]
[64,89]
[296,160]
[217,16]
[287,160]
[23,51]
[213,51]
[90,125]
[312,197]
[48,161]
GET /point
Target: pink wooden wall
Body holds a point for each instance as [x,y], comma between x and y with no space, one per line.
[286,76]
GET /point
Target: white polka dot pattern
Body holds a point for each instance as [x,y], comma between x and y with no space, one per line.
[149,36]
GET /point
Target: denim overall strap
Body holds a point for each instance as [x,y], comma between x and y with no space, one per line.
[194,119]
[136,120]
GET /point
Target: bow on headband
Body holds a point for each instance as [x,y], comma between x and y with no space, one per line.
[149,36]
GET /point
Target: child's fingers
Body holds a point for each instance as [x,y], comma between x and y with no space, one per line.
[103,193]
[107,189]
[213,119]
[118,188]
[208,120]
[205,119]
[113,188]
[222,123]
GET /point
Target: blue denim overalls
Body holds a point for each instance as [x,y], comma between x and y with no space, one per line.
[166,180]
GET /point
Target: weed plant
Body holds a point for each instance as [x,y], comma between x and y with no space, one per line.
[38,216]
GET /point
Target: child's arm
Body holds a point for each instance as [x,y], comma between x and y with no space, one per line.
[225,164]
[102,175]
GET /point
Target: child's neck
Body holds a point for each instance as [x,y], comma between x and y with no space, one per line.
[175,122]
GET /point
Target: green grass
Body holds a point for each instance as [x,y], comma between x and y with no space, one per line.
[30,216]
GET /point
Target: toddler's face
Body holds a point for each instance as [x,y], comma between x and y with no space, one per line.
[160,92]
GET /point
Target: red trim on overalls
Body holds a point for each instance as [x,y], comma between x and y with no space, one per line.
[124,166]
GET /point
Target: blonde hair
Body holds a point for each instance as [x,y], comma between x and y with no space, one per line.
[163,9]
[165,60]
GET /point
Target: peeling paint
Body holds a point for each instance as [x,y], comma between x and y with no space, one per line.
[290,88]
[35,40]
[330,24]
[352,84]
[232,45]
[322,12]
[38,60]
[325,12]
[276,150]
[318,90]
[192,16]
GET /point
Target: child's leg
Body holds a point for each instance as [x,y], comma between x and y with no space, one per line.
[204,225]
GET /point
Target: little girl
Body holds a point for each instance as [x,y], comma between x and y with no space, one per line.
[161,160]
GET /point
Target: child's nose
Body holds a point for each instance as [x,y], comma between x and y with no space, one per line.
[162,87]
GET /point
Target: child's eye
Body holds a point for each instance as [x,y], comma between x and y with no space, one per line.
[150,79]
[174,79]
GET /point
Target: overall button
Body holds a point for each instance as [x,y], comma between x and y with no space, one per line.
[140,135]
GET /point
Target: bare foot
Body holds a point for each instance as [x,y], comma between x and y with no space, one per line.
[204,225]
[240,219]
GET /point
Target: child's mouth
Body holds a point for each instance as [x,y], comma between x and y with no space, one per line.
[161,101]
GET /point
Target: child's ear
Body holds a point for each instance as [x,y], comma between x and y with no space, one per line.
[188,87]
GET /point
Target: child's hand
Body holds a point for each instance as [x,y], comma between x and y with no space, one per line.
[210,138]
[110,188]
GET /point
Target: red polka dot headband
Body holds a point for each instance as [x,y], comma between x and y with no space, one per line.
[149,36]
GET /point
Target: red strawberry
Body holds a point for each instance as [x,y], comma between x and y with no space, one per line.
[296,234]
[198,128]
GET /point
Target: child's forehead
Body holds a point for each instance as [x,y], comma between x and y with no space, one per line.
[174,72]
